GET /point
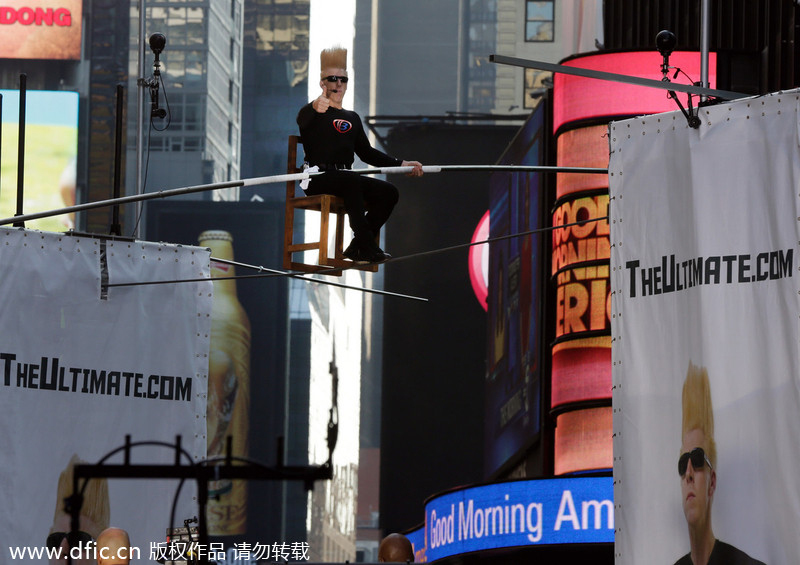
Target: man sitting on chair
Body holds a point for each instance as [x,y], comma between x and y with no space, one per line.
[331,136]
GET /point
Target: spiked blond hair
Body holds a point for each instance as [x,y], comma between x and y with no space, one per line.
[96,506]
[698,412]
[333,58]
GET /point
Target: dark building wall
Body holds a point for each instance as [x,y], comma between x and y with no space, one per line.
[418,56]
[433,352]
[362,54]
[107,46]
[274,87]
[295,495]
[270,105]
[254,226]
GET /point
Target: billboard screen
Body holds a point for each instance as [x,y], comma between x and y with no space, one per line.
[41,29]
[417,539]
[514,364]
[581,352]
[51,148]
[520,513]
[582,147]
[579,98]
[580,266]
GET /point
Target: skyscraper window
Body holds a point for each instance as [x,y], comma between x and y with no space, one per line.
[539,20]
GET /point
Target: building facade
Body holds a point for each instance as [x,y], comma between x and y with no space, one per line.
[199,140]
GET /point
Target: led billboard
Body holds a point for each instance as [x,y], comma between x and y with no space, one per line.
[514,363]
[41,29]
[520,513]
[580,386]
[580,266]
[418,542]
[51,147]
[479,262]
[580,98]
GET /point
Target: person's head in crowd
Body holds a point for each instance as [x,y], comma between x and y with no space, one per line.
[395,548]
[113,547]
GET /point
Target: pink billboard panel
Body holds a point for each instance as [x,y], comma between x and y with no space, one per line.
[578,98]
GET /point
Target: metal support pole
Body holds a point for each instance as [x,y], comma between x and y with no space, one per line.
[704,33]
[23,87]
[116,228]
[201,473]
[615,77]
[140,116]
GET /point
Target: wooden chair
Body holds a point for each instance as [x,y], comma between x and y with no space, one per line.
[327,206]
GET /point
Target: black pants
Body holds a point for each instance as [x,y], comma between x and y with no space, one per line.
[369,201]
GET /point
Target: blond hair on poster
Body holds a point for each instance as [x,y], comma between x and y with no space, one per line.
[698,411]
[96,504]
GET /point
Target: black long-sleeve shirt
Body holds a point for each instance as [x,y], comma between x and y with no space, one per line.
[335,136]
[723,554]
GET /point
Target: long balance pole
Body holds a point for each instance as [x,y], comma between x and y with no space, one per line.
[292,177]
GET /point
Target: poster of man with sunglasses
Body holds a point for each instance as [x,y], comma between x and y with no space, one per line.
[704,276]
[698,476]
[331,136]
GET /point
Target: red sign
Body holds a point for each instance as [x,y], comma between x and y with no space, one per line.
[479,262]
[41,29]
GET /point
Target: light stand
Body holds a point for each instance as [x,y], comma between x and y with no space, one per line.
[157,43]
[665,43]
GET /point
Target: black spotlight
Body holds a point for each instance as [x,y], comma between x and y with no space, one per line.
[157,43]
[665,42]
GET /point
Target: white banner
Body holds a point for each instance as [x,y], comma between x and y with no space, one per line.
[80,369]
[704,238]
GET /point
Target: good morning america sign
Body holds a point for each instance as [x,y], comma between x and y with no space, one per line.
[517,513]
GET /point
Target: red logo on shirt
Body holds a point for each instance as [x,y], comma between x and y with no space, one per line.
[342,126]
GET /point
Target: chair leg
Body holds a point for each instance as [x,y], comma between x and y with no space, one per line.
[339,249]
[288,230]
[325,209]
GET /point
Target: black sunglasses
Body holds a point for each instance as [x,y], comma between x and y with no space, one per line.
[698,458]
[73,538]
[334,78]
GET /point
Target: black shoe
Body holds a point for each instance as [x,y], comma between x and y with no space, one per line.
[376,255]
[354,253]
